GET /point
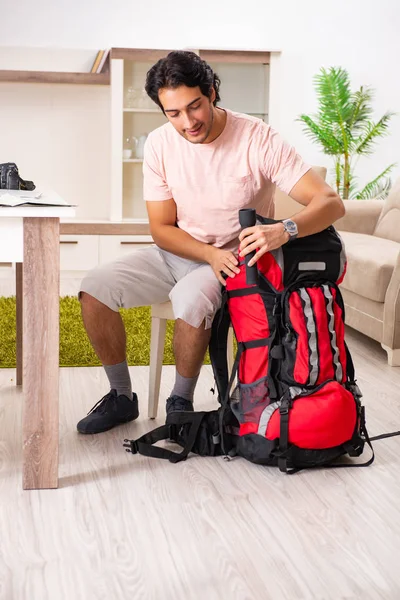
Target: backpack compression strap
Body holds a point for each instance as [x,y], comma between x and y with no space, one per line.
[145,444]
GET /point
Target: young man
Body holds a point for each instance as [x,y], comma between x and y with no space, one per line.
[199,169]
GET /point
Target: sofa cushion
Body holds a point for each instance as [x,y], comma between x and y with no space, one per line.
[370,264]
[388,225]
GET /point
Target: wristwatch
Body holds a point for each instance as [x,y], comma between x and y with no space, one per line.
[291,227]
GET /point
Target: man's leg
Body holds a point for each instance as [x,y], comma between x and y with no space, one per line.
[195,299]
[138,279]
[190,345]
[107,335]
[105,330]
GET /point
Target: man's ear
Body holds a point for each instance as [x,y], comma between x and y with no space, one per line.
[212,95]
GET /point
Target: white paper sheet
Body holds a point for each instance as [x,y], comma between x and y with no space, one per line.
[30,198]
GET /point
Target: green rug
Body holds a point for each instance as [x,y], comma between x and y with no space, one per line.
[75,348]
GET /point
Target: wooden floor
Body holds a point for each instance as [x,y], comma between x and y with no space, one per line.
[124,527]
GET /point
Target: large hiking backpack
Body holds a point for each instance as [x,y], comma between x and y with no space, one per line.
[296,400]
[296,403]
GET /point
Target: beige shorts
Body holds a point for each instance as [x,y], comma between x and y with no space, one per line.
[151,275]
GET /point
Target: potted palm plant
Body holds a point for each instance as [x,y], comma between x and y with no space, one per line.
[343,128]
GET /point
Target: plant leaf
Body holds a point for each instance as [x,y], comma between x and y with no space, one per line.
[342,127]
[361,109]
[321,135]
[377,188]
[335,102]
[364,144]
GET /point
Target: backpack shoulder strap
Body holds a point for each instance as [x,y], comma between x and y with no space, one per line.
[218,347]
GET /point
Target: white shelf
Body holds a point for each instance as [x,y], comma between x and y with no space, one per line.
[144,110]
[132,160]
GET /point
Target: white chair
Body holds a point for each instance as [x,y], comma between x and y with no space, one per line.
[160,313]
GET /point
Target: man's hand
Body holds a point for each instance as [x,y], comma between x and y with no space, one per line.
[262,238]
[223,261]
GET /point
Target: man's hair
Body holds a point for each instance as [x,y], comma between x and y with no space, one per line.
[178,68]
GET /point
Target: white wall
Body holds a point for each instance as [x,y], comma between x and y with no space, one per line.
[361,36]
[59,136]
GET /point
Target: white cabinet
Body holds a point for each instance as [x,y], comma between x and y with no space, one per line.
[133,116]
[84,252]
[113,246]
[244,79]
[79,252]
[244,88]
[6,270]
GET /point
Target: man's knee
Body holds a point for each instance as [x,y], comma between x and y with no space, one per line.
[92,306]
[85,299]
[99,287]
[196,307]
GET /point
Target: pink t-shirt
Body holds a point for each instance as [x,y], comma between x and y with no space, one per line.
[211,182]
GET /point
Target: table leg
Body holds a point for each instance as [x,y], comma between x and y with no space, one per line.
[19,303]
[41,289]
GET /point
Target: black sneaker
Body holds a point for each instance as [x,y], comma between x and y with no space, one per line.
[176,403]
[110,411]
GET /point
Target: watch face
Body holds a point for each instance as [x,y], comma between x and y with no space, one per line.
[291,227]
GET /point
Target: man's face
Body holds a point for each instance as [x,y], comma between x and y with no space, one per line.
[190,112]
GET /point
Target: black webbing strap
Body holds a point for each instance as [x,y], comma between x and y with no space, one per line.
[218,348]
[145,444]
[225,400]
[382,436]
[284,434]
[243,292]
[255,343]
[350,365]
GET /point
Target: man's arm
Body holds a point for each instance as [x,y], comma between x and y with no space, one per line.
[322,204]
[322,208]
[165,233]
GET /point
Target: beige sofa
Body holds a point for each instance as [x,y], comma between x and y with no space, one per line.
[370,230]
[371,288]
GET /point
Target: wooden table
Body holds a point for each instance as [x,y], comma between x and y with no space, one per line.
[29,236]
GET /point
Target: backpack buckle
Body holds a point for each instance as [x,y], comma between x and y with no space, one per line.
[131,446]
[285,406]
[355,390]
[216,438]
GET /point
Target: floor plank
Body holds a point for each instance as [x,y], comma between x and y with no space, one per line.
[133,527]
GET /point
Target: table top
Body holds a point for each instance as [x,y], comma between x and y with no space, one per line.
[60,209]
